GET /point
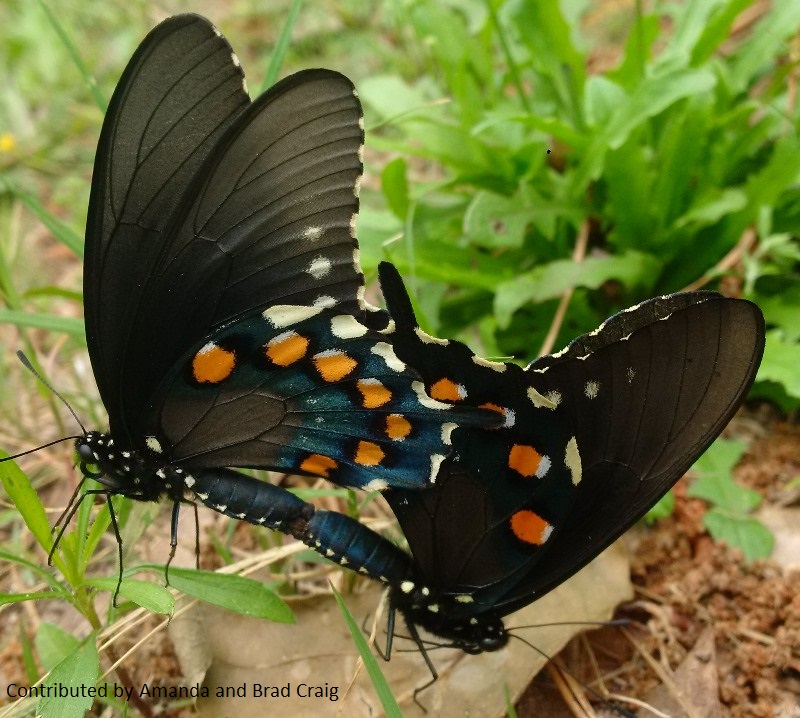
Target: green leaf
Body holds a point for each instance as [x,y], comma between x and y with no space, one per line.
[750,536]
[654,96]
[715,484]
[50,322]
[80,669]
[53,644]
[712,207]
[493,220]
[387,699]
[395,187]
[278,55]
[781,359]
[551,280]
[20,491]
[236,593]
[663,508]
[61,231]
[728,520]
[146,594]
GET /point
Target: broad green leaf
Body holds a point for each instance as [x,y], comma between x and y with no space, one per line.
[652,97]
[53,645]
[748,535]
[493,220]
[236,593]
[711,208]
[146,594]
[20,491]
[781,362]
[714,482]
[80,669]
[551,280]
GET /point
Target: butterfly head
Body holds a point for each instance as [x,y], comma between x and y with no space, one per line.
[142,475]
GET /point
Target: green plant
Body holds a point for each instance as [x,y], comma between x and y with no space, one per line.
[523,179]
[729,518]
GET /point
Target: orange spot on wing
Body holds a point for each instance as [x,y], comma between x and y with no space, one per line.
[524,460]
[530,527]
[334,365]
[319,465]
[368,454]
[494,407]
[446,390]
[397,427]
[375,394]
[212,364]
[286,349]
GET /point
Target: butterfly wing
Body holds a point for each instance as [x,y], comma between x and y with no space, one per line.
[207,208]
[600,431]
[181,90]
[663,380]
[309,390]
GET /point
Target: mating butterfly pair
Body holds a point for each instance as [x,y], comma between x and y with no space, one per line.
[226,328]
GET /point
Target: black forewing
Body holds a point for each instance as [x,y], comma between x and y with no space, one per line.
[268,220]
[223,212]
[694,357]
[178,94]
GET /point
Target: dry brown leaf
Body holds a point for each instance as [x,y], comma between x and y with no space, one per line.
[318,651]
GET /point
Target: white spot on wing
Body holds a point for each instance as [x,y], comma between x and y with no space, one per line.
[312,233]
[493,365]
[386,352]
[554,397]
[631,373]
[324,301]
[572,459]
[428,339]
[447,430]
[540,401]
[345,326]
[591,389]
[319,267]
[543,468]
[153,444]
[285,315]
[436,464]
[376,485]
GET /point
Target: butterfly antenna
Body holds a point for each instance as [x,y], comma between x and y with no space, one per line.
[27,364]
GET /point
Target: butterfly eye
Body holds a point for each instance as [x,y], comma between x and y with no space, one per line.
[85,453]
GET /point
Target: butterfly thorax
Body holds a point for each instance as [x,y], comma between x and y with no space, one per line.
[445,616]
[138,474]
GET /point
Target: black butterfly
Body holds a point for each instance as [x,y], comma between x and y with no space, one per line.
[594,435]
[224,305]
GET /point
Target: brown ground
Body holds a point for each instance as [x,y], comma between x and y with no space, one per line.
[687,585]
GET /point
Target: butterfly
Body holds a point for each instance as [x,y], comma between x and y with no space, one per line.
[224,309]
[593,436]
